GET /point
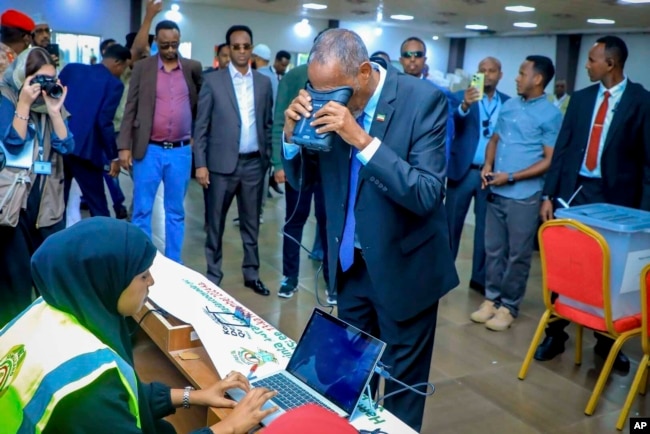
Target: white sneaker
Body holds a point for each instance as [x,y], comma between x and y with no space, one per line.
[484,312]
[501,321]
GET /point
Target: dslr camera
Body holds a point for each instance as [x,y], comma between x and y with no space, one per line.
[304,134]
[49,85]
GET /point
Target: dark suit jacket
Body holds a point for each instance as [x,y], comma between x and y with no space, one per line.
[137,123]
[92,99]
[400,217]
[625,161]
[218,124]
[468,131]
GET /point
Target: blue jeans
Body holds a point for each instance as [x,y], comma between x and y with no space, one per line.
[172,167]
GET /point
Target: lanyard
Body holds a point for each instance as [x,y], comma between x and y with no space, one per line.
[40,132]
[489,115]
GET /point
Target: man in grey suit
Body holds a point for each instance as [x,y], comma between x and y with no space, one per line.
[232,149]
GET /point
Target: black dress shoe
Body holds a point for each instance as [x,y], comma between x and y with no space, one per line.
[550,347]
[257,286]
[473,284]
[621,362]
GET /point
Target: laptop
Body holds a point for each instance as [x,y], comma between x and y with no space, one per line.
[331,366]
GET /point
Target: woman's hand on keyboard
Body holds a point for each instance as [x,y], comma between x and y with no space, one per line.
[215,395]
[247,414]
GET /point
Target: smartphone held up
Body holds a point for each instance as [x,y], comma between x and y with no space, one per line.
[478,82]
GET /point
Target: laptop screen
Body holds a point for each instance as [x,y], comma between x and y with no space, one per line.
[335,359]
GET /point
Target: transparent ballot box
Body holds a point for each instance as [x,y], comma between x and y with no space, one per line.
[627,232]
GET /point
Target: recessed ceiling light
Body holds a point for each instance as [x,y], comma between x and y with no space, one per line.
[521,8]
[435,38]
[633,1]
[600,21]
[315,6]
[401,17]
[525,25]
[476,27]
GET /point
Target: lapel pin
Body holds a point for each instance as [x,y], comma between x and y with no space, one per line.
[381,118]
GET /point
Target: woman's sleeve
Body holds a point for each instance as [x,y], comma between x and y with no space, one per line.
[100,408]
[63,145]
[8,136]
[160,399]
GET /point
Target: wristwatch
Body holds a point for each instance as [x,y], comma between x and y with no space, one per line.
[186,396]
[511,178]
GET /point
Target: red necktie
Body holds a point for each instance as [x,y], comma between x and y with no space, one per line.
[596,133]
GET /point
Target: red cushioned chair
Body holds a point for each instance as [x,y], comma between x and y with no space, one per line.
[641,378]
[576,265]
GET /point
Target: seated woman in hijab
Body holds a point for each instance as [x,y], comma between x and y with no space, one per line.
[66,362]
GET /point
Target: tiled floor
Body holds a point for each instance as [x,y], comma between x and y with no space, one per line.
[474,370]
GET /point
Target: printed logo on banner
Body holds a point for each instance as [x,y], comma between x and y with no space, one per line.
[248,357]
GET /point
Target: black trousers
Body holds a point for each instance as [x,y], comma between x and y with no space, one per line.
[591,192]
[17,245]
[91,182]
[298,206]
[409,343]
[244,185]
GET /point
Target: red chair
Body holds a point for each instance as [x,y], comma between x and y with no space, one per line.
[641,378]
[576,265]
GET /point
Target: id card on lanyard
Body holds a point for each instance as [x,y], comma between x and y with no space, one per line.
[41,167]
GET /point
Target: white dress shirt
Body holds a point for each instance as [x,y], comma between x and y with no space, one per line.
[243,84]
[616,92]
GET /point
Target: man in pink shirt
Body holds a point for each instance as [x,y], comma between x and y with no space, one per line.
[155,135]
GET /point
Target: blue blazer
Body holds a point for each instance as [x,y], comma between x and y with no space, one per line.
[401,221]
[93,96]
[467,131]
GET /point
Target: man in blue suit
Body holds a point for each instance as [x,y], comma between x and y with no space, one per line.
[474,122]
[413,59]
[94,92]
[387,232]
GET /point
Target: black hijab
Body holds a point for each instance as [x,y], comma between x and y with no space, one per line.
[84,269]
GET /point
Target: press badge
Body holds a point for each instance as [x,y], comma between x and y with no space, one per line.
[42,167]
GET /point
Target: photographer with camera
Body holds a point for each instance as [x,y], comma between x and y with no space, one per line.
[31,186]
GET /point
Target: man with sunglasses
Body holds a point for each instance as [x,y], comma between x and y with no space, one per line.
[413,57]
[474,122]
[155,133]
[232,152]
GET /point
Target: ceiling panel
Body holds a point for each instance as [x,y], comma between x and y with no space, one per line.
[449,17]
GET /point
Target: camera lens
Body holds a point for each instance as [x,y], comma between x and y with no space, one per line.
[53,90]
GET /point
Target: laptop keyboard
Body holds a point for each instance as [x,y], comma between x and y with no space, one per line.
[290,395]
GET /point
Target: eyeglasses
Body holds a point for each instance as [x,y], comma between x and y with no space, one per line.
[238,318]
[486,129]
[168,45]
[416,54]
[238,47]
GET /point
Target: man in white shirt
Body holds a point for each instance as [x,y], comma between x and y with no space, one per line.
[232,149]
